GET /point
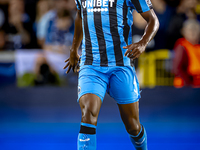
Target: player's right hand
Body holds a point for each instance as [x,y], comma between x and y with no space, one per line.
[72,62]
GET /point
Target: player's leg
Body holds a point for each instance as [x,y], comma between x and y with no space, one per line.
[130,117]
[91,90]
[90,106]
[124,88]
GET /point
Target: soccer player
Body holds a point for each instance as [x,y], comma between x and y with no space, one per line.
[104,27]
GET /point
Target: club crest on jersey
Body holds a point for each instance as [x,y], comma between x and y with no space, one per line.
[148,2]
[96,5]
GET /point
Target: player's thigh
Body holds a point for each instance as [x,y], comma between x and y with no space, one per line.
[124,86]
[91,81]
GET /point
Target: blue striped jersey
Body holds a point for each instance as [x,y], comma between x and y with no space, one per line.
[106,29]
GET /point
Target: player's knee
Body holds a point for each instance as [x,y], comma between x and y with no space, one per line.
[89,114]
[134,128]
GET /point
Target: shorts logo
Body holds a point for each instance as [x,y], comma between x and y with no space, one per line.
[148,2]
[79,89]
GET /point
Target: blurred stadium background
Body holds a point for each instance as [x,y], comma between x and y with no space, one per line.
[38,108]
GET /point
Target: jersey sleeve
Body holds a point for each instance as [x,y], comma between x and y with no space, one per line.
[141,5]
[78,4]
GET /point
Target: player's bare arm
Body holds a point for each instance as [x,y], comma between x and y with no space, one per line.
[72,61]
[136,49]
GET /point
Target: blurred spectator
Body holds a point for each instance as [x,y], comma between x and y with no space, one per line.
[60,30]
[45,11]
[2,40]
[185,10]
[45,75]
[56,8]
[187,56]
[19,28]
[35,68]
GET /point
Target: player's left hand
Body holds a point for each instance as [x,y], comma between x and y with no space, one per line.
[134,50]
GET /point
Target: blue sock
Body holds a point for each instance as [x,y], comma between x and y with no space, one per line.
[140,140]
[87,137]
